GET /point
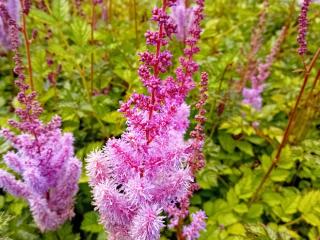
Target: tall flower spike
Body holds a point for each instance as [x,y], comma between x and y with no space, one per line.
[303,27]
[255,44]
[252,96]
[44,156]
[137,179]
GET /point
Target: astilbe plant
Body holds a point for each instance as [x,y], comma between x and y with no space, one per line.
[43,157]
[147,175]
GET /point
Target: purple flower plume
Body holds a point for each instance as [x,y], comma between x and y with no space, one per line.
[303,27]
[148,173]
[13,8]
[43,157]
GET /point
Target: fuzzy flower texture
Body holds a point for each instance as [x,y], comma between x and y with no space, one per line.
[43,156]
[147,175]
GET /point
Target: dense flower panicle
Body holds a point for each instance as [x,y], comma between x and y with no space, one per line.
[149,169]
[12,7]
[198,224]
[252,96]
[44,156]
[303,27]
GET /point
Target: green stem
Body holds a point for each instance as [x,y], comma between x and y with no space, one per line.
[93,13]
[294,221]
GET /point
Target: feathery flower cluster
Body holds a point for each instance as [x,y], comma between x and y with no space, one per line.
[252,96]
[148,172]
[13,8]
[44,156]
[303,27]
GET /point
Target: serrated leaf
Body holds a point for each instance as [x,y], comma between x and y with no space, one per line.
[308,201]
[61,10]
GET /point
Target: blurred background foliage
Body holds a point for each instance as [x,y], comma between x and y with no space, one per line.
[241,142]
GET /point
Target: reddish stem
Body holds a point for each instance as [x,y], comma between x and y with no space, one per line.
[27,45]
[156,70]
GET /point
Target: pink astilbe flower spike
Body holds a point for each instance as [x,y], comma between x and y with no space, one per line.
[147,175]
[252,96]
[43,156]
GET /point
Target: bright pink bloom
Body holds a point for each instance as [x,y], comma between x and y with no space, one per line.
[141,176]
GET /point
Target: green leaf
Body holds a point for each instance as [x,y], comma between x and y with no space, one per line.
[232,197]
[280,175]
[255,211]
[227,219]
[208,208]
[61,10]
[245,147]
[80,32]
[42,16]
[312,219]
[227,142]
[241,208]
[272,198]
[308,201]
[90,223]
[237,229]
